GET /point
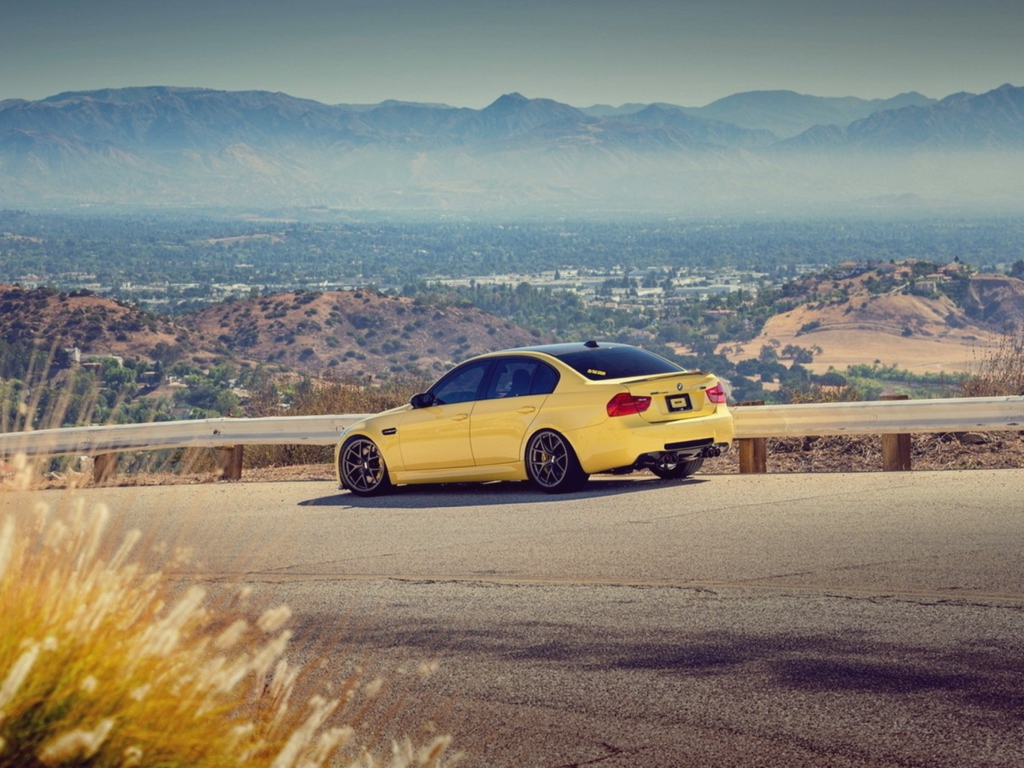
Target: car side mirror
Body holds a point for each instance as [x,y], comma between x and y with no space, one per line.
[422,400]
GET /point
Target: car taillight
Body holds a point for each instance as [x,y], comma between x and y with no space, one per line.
[624,404]
[715,394]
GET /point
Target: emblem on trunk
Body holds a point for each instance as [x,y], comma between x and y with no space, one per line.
[679,386]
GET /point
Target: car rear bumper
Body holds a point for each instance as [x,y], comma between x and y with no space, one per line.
[619,442]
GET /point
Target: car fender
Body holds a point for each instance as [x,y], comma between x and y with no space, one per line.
[386,443]
[562,413]
[572,434]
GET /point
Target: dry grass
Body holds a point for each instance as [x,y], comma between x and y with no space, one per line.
[1000,371]
[105,664]
[816,393]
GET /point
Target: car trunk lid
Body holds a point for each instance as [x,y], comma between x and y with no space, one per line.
[675,396]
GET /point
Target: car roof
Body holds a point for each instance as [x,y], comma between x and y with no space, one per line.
[556,350]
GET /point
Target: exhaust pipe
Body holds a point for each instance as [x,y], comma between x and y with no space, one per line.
[711,452]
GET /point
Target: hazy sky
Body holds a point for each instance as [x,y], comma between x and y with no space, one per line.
[469,52]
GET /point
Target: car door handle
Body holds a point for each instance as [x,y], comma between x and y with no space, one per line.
[460,417]
[528,409]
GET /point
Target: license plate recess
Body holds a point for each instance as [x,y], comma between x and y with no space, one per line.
[680,402]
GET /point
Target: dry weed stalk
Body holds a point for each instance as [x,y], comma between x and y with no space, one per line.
[103,664]
[816,393]
[1000,371]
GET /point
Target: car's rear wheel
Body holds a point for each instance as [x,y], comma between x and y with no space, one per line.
[670,467]
[551,463]
[362,468]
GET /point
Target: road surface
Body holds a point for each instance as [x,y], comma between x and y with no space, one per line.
[871,619]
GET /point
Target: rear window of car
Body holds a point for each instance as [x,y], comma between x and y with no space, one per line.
[617,363]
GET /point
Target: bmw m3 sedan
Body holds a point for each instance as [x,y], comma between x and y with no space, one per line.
[552,414]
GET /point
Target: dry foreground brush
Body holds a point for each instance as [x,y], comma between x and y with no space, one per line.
[103,663]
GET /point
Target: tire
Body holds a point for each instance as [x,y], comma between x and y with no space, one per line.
[671,467]
[362,468]
[551,463]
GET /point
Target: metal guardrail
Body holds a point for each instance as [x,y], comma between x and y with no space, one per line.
[199,433]
[887,417]
[752,426]
[984,414]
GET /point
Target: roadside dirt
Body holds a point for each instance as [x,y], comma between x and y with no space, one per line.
[962,450]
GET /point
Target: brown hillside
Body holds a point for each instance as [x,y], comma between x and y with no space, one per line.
[997,300]
[911,326]
[96,325]
[354,332]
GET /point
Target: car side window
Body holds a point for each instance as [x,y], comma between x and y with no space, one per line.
[462,384]
[516,377]
[511,378]
[544,380]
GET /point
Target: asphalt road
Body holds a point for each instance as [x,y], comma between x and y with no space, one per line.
[781,620]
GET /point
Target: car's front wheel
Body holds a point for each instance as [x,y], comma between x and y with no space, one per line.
[362,468]
[551,463]
[671,467]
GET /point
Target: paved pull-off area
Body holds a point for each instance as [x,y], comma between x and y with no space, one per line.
[871,619]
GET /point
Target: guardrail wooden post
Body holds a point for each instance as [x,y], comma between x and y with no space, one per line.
[895,448]
[229,462]
[753,450]
[104,467]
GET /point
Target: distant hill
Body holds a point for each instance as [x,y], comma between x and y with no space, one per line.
[920,316]
[160,146]
[896,316]
[698,130]
[997,300]
[787,113]
[963,121]
[347,332]
[782,113]
[96,325]
[353,332]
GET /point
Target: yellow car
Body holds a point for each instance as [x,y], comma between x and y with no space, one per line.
[552,414]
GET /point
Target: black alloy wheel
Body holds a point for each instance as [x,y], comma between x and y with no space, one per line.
[551,463]
[362,468]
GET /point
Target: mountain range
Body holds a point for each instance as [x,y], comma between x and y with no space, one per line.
[784,113]
[192,146]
